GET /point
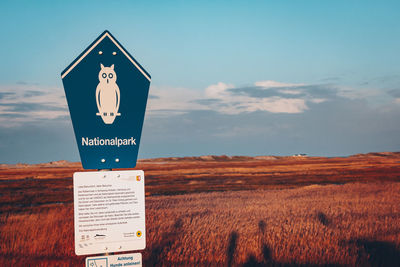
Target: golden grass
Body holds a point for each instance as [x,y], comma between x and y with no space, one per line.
[221,211]
[350,224]
[44,183]
[38,239]
[310,225]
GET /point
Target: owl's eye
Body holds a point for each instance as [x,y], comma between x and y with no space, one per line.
[110,75]
[104,75]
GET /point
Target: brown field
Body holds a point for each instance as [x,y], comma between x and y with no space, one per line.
[222,211]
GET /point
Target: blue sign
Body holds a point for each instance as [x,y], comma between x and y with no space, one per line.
[106,90]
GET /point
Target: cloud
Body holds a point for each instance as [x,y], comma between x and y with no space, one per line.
[153,97]
[267,96]
[331,79]
[207,101]
[271,84]
[225,98]
[218,90]
[233,100]
[6,94]
[167,101]
[22,103]
[26,108]
[358,93]
[32,93]
[394,93]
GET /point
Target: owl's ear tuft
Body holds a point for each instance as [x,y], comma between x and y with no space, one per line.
[112,66]
[101,65]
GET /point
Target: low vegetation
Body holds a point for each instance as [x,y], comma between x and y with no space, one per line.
[323,212]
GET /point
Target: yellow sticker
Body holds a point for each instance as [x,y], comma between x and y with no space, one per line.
[138,233]
[138,178]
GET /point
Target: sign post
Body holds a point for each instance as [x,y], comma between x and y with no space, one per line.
[107,91]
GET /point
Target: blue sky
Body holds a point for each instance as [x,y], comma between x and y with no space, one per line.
[228,77]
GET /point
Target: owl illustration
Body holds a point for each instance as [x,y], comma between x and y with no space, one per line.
[107,95]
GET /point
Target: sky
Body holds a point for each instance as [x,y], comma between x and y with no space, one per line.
[228,77]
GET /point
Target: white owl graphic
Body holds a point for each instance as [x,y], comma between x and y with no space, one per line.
[107,95]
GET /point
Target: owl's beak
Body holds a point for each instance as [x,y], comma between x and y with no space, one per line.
[107,80]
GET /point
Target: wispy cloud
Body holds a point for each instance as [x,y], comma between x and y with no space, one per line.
[23,103]
[267,96]
[233,100]
[167,101]
[274,84]
[394,93]
[358,93]
[225,98]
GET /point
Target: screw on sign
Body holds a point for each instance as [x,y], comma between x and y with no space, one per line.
[106,91]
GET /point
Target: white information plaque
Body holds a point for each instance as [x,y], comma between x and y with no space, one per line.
[109,211]
[134,259]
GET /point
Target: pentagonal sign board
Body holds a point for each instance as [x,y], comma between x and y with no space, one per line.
[106,90]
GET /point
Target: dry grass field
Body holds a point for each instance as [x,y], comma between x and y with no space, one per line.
[222,211]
